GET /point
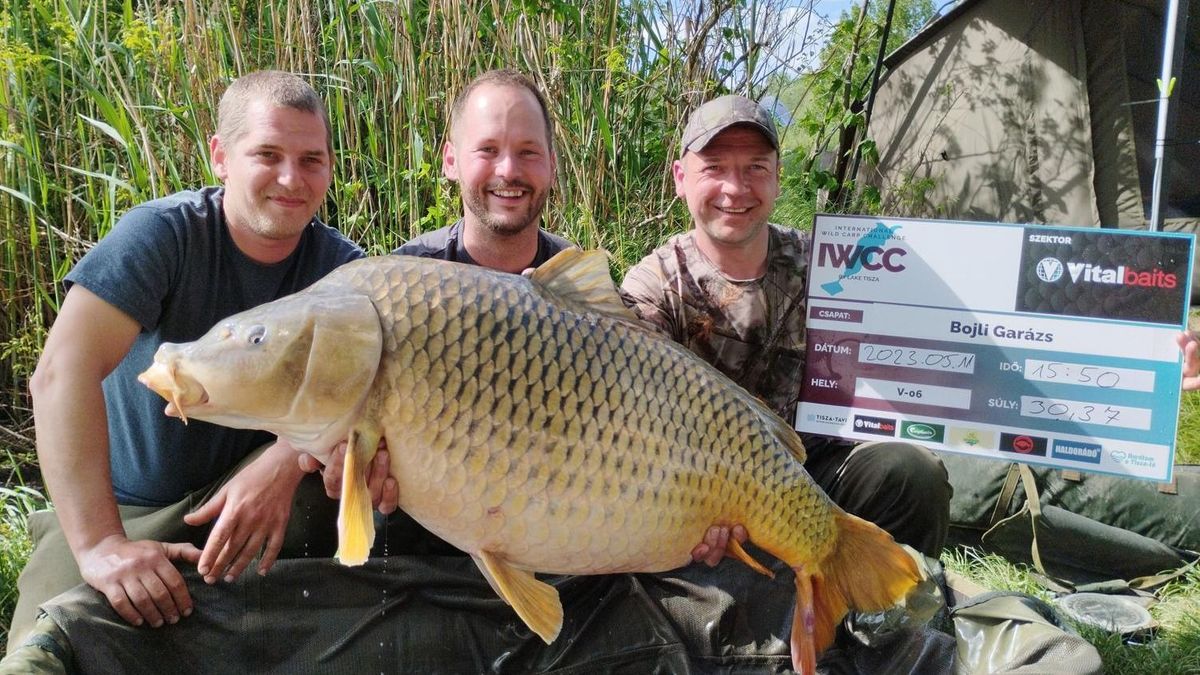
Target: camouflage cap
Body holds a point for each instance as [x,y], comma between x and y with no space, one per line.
[721,113]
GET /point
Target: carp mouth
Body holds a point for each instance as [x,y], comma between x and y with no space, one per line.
[181,391]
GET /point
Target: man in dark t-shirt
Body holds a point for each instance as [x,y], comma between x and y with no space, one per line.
[501,153]
[123,477]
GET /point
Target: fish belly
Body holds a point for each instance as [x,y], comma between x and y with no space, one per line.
[568,442]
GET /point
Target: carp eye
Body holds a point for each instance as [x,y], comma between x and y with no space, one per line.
[256,335]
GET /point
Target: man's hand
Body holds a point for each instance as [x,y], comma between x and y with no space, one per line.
[251,513]
[712,548]
[138,578]
[385,492]
[1191,360]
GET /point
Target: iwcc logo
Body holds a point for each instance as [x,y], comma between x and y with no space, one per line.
[855,257]
[1049,270]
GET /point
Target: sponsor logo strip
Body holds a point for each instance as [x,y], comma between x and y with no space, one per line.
[1023,444]
[878,426]
[1077,451]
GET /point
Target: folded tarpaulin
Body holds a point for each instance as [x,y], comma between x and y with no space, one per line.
[435,614]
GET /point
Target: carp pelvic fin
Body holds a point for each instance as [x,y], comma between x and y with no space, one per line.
[356,527]
[536,602]
[734,549]
[582,277]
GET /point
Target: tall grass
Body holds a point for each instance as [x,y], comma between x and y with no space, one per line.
[1173,650]
[104,104]
[15,506]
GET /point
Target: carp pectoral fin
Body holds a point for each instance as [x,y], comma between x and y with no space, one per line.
[804,645]
[536,602]
[356,526]
[734,548]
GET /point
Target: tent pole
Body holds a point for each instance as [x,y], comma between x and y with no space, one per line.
[883,40]
[1160,135]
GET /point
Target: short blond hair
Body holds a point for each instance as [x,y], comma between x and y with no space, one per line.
[505,77]
[275,87]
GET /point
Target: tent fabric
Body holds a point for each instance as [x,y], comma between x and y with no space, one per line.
[994,108]
[1015,634]
[1029,111]
[436,614]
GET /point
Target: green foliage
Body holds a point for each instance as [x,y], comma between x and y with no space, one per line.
[992,571]
[1187,440]
[1173,649]
[828,131]
[106,104]
[15,506]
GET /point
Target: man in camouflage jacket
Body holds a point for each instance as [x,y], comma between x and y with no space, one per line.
[733,291]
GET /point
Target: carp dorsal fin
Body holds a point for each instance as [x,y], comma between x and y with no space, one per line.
[536,602]
[582,277]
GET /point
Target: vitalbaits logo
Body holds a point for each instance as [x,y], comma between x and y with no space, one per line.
[1076,451]
[1049,270]
[1121,275]
[1023,444]
[867,254]
[878,426]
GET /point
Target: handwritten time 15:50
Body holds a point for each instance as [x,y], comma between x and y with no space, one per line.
[1086,375]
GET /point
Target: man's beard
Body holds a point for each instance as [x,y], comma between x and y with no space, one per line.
[509,224]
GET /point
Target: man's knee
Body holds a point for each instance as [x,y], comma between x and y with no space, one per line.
[898,469]
[901,487]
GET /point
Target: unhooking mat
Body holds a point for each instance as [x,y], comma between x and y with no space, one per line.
[433,614]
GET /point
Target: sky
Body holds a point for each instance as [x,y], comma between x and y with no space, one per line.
[792,52]
[813,28]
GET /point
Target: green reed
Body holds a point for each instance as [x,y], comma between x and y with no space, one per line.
[104,104]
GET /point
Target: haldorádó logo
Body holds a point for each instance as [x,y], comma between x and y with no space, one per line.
[1077,451]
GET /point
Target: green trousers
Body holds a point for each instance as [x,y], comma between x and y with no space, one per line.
[51,569]
[900,487]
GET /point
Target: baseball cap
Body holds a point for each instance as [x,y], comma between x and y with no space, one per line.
[721,113]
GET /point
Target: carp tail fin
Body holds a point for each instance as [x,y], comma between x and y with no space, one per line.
[356,525]
[866,571]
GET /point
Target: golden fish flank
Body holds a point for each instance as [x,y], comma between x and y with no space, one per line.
[535,424]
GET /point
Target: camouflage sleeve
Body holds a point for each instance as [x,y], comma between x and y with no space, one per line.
[644,291]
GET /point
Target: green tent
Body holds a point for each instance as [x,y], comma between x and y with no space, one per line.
[1040,111]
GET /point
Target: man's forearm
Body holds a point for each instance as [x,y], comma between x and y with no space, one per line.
[72,447]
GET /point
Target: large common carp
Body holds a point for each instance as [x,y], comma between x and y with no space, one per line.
[536,424]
